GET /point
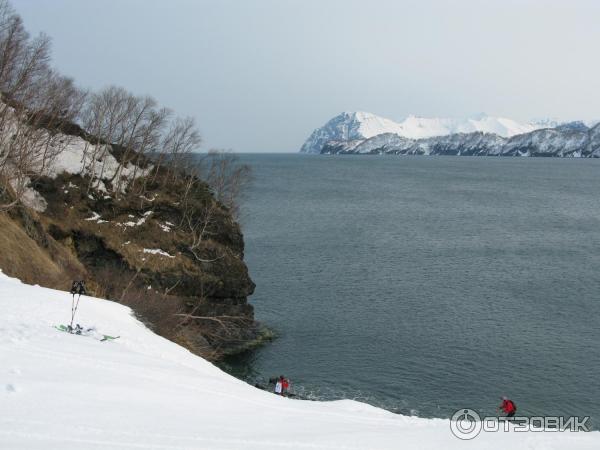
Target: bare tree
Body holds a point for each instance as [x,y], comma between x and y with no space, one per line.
[199,224]
[150,141]
[227,178]
[104,114]
[142,127]
[22,152]
[58,104]
[37,102]
[132,125]
[23,72]
[181,139]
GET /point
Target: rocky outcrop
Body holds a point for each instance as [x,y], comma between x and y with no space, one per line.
[594,142]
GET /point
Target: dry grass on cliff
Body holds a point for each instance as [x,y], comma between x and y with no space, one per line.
[158,311]
[126,287]
[22,257]
[170,316]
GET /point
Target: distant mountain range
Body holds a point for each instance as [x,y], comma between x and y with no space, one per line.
[366,133]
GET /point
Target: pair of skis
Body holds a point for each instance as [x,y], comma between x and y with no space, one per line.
[83,332]
[78,288]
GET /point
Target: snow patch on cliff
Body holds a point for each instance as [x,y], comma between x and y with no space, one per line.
[79,157]
[157,251]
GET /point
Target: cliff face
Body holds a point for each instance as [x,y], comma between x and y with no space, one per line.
[178,263]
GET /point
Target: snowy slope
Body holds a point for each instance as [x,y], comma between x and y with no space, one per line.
[350,126]
[421,127]
[141,391]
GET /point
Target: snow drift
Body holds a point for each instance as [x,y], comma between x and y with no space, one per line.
[65,391]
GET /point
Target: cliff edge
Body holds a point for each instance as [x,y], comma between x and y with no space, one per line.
[153,237]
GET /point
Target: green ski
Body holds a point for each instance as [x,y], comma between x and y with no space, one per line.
[105,337]
[109,338]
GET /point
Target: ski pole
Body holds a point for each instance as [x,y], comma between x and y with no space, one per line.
[74,310]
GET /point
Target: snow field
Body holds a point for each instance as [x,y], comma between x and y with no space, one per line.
[141,391]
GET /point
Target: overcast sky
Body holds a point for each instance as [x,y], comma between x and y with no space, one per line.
[260,75]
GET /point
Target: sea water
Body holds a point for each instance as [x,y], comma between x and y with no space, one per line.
[428,284]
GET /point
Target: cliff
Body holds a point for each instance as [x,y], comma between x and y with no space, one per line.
[173,253]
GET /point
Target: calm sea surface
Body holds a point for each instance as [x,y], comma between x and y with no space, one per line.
[427,284]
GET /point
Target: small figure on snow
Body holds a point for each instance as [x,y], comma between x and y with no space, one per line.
[508,406]
[282,386]
[285,385]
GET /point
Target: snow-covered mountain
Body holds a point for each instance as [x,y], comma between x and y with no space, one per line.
[421,127]
[349,126]
[353,126]
[480,136]
[141,391]
[569,140]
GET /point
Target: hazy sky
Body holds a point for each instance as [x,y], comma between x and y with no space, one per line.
[260,75]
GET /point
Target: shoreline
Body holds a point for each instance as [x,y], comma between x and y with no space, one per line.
[264,335]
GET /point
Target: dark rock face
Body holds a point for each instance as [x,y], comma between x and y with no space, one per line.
[340,147]
[594,143]
[471,144]
[549,142]
[385,143]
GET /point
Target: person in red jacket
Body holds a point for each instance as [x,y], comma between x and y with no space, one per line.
[508,406]
[285,385]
